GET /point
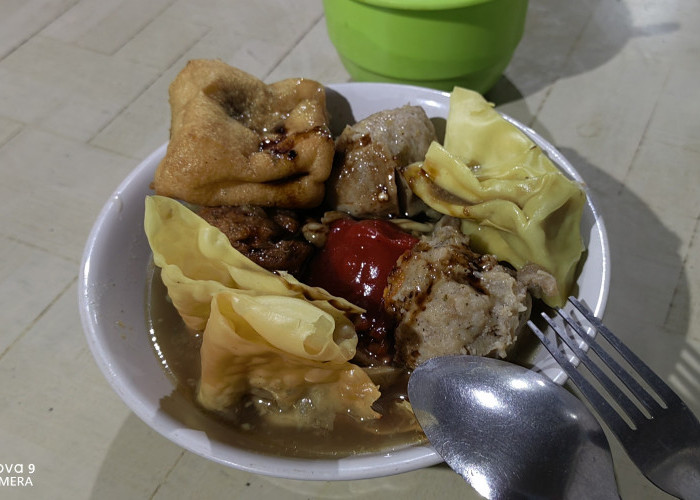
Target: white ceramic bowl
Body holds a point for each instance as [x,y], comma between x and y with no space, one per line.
[112,292]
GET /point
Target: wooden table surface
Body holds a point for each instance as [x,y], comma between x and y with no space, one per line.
[83,99]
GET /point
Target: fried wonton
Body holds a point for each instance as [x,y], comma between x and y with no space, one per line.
[236,141]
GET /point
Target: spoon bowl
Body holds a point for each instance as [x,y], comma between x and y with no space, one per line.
[509,431]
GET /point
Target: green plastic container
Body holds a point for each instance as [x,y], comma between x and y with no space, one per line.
[438,44]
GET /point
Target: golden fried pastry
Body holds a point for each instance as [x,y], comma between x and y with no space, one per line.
[235,140]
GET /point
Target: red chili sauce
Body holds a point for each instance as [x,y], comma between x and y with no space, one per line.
[354,264]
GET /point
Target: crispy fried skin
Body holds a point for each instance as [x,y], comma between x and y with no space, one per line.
[236,141]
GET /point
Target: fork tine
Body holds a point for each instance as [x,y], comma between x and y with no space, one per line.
[642,394]
[607,412]
[665,447]
[620,397]
[660,387]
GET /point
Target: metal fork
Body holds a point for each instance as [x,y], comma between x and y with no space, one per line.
[664,440]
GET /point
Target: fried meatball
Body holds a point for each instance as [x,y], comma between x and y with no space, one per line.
[446,299]
[366,179]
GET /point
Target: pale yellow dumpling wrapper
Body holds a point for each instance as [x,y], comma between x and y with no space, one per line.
[250,316]
[513,201]
[309,393]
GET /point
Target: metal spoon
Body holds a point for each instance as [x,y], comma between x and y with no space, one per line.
[511,432]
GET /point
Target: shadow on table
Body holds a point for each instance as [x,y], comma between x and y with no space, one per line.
[648,305]
[564,39]
[141,464]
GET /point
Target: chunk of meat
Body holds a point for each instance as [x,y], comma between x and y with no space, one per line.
[539,282]
[365,180]
[269,237]
[447,299]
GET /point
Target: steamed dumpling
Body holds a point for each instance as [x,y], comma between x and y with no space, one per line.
[513,202]
[262,331]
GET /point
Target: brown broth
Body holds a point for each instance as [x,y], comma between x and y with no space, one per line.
[177,349]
